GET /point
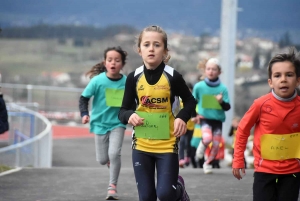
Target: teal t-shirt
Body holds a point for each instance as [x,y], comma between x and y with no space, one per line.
[104,118]
[200,89]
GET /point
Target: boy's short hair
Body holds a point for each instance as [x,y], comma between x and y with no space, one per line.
[292,56]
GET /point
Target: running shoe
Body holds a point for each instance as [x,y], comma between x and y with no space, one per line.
[184,196]
[181,163]
[112,192]
[187,161]
[207,168]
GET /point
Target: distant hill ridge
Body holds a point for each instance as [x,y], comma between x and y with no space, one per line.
[47,31]
[190,16]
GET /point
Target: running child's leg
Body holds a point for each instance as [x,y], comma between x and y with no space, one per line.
[189,135]
[116,138]
[102,144]
[193,154]
[144,171]
[170,185]
[288,187]
[217,136]
[206,139]
[182,147]
[167,175]
[264,187]
[214,148]
[101,147]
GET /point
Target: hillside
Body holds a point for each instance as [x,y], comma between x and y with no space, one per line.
[38,61]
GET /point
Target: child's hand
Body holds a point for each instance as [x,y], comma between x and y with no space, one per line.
[135,120]
[219,97]
[85,119]
[237,173]
[179,127]
[197,119]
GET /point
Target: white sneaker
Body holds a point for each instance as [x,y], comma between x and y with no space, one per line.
[207,169]
[200,150]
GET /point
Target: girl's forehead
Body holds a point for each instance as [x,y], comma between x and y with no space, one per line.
[113,53]
[211,65]
[152,35]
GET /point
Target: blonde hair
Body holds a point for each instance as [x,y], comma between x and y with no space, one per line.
[201,67]
[158,29]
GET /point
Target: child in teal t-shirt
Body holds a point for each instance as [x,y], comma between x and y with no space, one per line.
[213,101]
[107,89]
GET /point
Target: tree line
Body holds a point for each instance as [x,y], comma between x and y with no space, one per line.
[44,31]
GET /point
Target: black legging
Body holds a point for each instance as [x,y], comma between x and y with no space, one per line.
[196,163]
[167,168]
[185,144]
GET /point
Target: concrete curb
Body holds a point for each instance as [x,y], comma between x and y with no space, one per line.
[10,171]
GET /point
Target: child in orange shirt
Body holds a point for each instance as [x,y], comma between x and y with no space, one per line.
[276,117]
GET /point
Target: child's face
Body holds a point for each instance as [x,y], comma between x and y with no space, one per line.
[283,79]
[212,71]
[113,64]
[152,49]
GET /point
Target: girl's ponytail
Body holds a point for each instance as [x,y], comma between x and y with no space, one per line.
[96,70]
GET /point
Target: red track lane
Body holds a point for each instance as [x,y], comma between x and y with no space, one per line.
[66,132]
[4,136]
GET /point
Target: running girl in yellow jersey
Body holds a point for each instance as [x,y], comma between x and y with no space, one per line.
[150,92]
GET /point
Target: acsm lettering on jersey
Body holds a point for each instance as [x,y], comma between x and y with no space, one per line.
[148,101]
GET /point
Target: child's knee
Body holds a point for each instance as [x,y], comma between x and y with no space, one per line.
[206,138]
[206,135]
[114,155]
[103,161]
[165,195]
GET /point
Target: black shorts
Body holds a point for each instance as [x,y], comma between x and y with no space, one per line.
[276,187]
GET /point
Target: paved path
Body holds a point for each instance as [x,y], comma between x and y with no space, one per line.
[76,176]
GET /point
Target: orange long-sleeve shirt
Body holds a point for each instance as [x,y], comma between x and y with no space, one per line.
[269,116]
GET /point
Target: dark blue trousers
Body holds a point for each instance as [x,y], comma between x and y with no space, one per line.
[167,168]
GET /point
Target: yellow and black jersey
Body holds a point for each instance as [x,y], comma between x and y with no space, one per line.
[156,91]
